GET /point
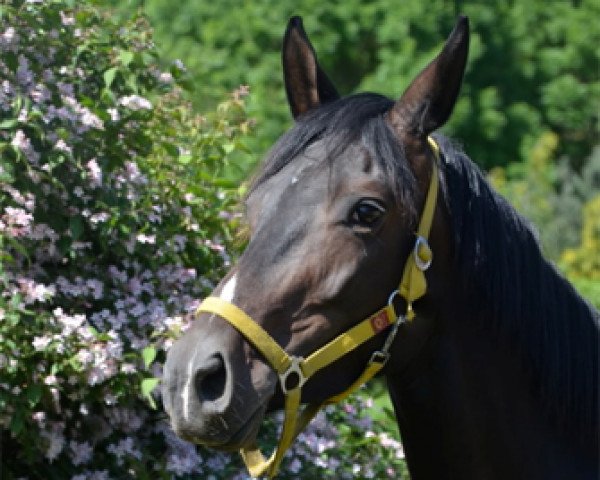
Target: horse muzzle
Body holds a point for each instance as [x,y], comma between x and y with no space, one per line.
[208,399]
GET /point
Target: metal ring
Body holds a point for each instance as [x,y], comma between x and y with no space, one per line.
[421,265]
[293,368]
[392,296]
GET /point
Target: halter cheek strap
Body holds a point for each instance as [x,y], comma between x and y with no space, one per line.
[413,284]
[295,371]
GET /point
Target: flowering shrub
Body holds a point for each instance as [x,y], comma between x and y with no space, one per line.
[107,201]
[114,222]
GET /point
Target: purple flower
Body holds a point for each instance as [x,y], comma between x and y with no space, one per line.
[69,322]
[114,114]
[125,447]
[179,65]
[62,146]
[85,357]
[55,441]
[295,466]
[143,238]
[133,174]
[135,102]
[22,143]
[40,343]
[16,222]
[40,93]
[90,119]
[95,287]
[24,73]
[9,39]
[95,172]
[35,292]
[66,20]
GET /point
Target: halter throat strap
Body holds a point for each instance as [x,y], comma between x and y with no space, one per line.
[295,371]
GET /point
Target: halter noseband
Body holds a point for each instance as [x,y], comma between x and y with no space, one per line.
[295,371]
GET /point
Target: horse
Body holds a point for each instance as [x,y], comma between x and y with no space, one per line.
[492,362]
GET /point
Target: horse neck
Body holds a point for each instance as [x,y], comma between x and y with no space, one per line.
[466,375]
[466,409]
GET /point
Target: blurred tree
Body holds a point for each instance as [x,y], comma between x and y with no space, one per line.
[532,66]
[582,264]
[550,193]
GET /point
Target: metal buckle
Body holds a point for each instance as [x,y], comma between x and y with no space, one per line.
[294,368]
[421,265]
[379,357]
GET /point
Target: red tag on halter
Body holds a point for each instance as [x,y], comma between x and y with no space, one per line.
[379,321]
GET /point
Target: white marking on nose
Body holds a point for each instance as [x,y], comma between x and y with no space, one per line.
[228,292]
[185,393]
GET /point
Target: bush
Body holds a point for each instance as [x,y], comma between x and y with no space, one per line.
[111,228]
[114,221]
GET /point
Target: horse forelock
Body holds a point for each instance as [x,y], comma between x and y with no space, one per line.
[356,119]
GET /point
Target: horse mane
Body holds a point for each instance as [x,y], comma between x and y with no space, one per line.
[512,286]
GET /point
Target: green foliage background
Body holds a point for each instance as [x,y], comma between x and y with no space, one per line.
[533,64]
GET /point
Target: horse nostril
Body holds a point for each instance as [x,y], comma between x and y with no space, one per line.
[211,378]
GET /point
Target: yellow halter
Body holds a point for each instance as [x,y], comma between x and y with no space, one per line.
[295,371]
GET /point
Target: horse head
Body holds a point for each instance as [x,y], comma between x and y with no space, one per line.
[332,216]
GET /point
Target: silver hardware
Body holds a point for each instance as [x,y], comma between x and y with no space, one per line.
[421,265]
[294,368]
[379,357]
[383,355]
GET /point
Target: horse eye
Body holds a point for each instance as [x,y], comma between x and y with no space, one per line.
[366,213]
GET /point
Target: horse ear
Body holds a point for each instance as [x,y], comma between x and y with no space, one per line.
[306,84]
[428,102]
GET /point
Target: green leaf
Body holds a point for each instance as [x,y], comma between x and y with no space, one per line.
[8,124]
[107,95]
[64,245]
[76,227]
[186,84]
[224,183]
[18,247]
[75,364]
[125,57]
[148,355]
[147,385]
[185,158]
[17,423]
[109,76]
[34,394]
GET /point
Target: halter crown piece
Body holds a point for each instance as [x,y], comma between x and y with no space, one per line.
[295,371]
